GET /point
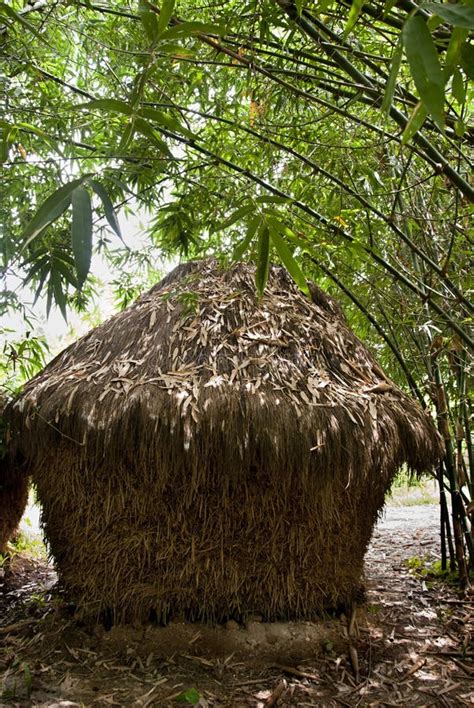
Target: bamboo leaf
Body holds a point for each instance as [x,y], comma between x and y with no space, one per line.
[425,67]
[356,9]
[177,49]
[453,52]
[392,78]
[289,262]
[50,210]
[8,133]
[467,59]
[58,292]
[148,19]
[10,12]
[37,266]
[108,207]
[235,216]
[263,259]
[455,14]
[241,247]
[108,104]
[43,276]
[81,233]
[127,136]
[415,122]
[189,29]
[272,200]
[458,87]
[148,131]
[63,268]
[166,120]
[42,134]
[166,13]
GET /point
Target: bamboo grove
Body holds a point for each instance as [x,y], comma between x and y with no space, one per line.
[300,132]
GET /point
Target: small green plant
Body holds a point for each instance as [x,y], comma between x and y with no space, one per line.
[190,695]
[407,490]
[432,571]
[23,544]
[416,565]
[404,479]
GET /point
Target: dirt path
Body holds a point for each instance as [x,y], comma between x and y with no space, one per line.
[409,646]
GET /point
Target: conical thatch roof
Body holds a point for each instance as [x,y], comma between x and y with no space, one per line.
[145,434]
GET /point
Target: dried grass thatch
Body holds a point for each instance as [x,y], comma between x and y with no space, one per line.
[13,499]
[210,453]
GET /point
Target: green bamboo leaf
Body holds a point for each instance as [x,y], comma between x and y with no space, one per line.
[54,144]
[49,297]
[166,120]
[42,280]
[263,259]
[453,52]
[149,132]
[7,132]
[107,104]
[289,262]
[36,266]
[392,78]
[110,215]
[415,122]
[175,48]
[425,67]
[59,265]
[127,135]
[81,233]
[189,29]
[148,19]
[50,210]
[455,14]
[458,87]
[241,247]
[166,14]
[58,293]
[272,200]
[235,216]
[467,59]
[10,12]
[356,9]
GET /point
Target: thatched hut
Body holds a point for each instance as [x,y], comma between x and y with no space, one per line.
[211,453]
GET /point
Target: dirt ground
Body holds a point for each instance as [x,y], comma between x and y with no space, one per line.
[409,645]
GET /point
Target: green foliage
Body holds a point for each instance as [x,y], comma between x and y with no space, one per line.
[456,14]
[432,571]
[190,695]
[425,67]
[22,544]
[20,359]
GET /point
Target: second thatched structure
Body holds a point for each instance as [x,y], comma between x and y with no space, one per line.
[211,453]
